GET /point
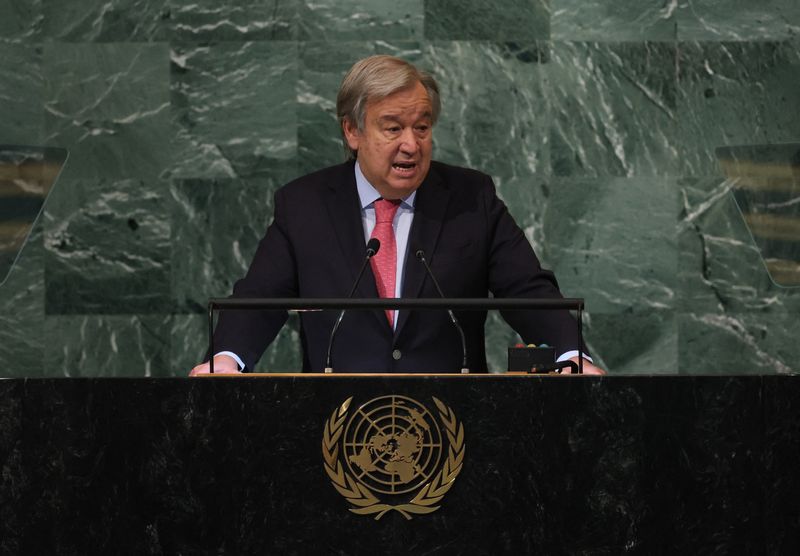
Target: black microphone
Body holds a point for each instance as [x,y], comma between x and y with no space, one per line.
[373,246]
[464,369]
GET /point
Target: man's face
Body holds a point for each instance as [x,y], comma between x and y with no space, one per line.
[394,148]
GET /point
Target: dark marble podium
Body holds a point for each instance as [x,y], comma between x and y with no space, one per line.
[589,465]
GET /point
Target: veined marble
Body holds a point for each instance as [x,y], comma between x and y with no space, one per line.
[598,121]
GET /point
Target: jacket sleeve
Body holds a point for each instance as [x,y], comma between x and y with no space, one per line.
[515,272]
[272,273]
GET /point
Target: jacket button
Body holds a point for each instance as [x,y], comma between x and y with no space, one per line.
[396,355]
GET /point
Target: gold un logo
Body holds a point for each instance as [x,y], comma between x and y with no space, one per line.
[390,454]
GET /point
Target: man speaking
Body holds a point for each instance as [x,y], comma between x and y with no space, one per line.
[390,190]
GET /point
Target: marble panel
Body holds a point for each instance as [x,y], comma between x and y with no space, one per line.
[519,108]
[20,21]
[244,20]
[735,94]
[701,444]
[604,466]
[108,345]
[107,21]
[108,247]
[73,457]
[527,196]
[503,20]
[639,342]
[14,478]
[621,20]
[233,105]
[216,226]
[583,466]
[344,20]
[614,109]
[494,114]
[613,241]
[22,311]
[21,113]
[737,20]
[322,66]
[108,104]
[738,343]
[781,454]
[720,267]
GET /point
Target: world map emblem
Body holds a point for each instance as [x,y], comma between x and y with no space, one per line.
[393,454]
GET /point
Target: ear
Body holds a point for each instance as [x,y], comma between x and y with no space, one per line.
[351,134]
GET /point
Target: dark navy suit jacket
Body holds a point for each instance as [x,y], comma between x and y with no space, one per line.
[315,246]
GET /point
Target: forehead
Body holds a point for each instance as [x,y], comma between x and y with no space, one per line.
[413,101]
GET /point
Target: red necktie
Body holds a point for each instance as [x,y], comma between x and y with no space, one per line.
[384,263]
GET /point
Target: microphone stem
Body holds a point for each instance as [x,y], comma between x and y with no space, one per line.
[328,368]
[464,368]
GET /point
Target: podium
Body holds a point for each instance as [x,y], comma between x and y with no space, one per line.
[551,465]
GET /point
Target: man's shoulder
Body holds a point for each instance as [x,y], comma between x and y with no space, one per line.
[459,175]
[319,180]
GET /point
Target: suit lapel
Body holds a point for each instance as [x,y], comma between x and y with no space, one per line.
[344,209]
[431,203]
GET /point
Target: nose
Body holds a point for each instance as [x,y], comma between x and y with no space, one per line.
[408,142]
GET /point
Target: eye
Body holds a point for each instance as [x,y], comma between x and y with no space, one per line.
[423,128]
[393,129]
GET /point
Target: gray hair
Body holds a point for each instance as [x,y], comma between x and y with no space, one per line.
[375,78]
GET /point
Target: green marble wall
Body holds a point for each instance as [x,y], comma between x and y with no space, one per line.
[597,119]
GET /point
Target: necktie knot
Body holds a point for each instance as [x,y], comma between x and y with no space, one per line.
[385,210]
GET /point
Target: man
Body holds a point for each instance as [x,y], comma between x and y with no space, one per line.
[390,189]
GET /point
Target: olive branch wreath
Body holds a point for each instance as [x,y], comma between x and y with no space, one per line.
[360,496]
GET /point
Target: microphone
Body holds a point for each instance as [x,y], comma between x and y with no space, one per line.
[420,254]
[373,246]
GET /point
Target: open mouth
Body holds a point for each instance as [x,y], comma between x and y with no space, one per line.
[404,166]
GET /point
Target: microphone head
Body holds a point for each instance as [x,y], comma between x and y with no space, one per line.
[420,254]
[373,246]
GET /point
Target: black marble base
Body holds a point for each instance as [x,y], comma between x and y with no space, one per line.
[589,465]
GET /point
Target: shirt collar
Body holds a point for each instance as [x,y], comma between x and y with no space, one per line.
[368,194]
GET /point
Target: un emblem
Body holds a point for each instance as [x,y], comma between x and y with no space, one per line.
[393,447]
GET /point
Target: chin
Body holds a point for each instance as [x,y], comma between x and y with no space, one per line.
[405,188]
